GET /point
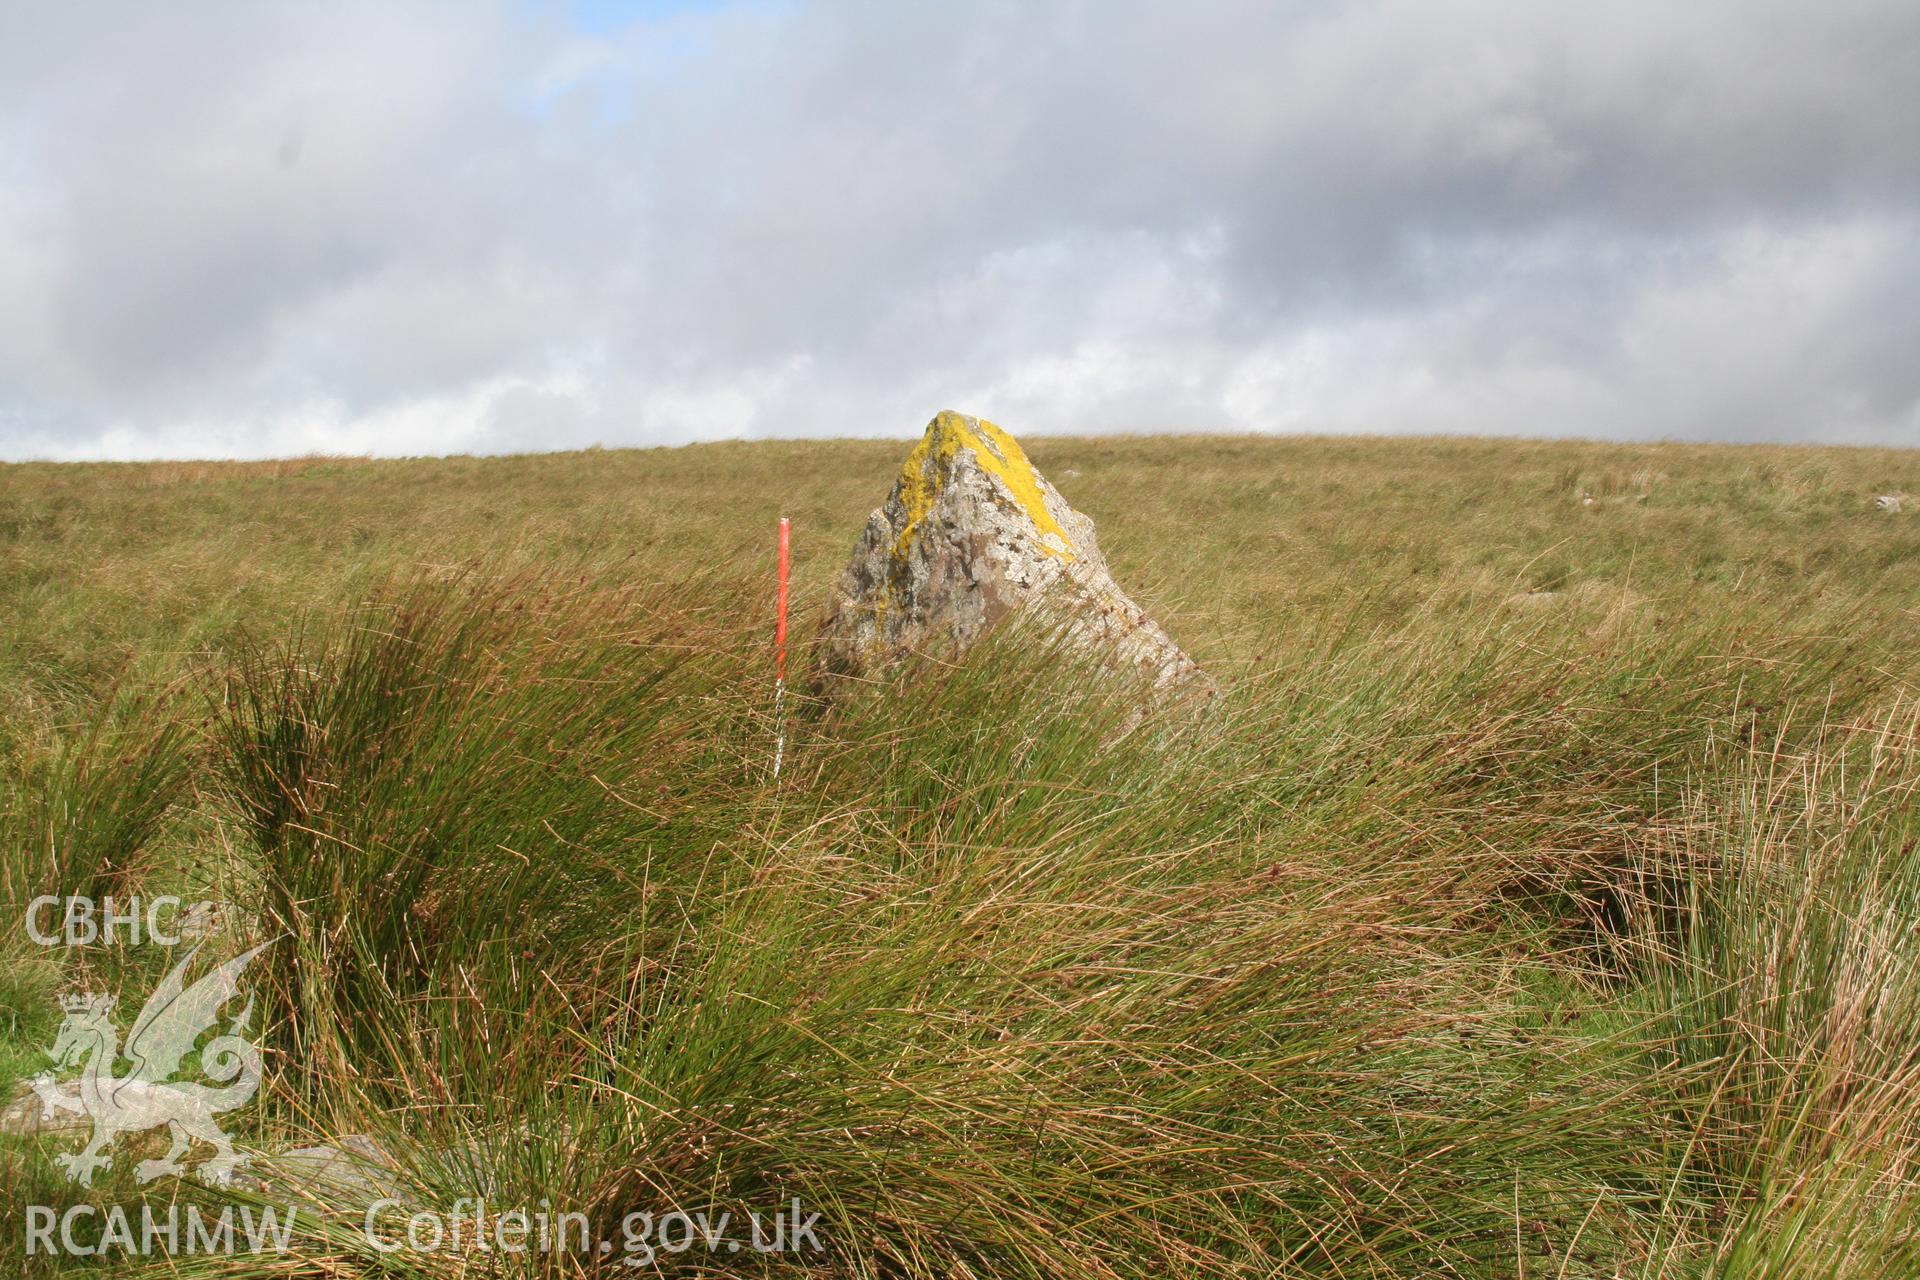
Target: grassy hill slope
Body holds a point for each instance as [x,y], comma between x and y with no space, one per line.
[1227,535]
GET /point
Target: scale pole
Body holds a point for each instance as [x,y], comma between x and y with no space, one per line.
[780,648]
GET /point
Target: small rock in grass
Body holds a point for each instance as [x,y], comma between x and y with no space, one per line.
[41,1106]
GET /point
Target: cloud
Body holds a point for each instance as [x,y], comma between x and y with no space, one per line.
[237,229]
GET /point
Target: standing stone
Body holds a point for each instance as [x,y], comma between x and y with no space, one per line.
[971,534]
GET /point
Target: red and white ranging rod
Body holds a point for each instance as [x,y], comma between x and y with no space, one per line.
[780,650]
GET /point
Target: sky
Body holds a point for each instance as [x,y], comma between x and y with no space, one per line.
[266,229]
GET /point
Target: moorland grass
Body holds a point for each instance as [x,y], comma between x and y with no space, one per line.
[1536,899]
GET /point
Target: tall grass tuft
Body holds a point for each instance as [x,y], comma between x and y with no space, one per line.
[456,788]
[1786,1004]
[82,808]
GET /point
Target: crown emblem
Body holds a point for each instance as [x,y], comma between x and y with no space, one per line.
[86,1002]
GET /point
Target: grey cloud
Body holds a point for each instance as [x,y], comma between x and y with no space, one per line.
[235,228]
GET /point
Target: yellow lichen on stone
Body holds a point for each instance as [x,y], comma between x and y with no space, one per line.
[930,463]
[1005,458]
[921,477]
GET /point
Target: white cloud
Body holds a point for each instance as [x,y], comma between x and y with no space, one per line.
[243,229]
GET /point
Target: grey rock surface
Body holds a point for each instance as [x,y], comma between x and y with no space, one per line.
[354,1168]
[970,535]
[41,1106]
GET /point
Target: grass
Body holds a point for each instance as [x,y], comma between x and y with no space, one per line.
[1536,900]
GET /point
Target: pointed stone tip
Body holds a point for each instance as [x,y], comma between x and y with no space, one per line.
[928,471]
[952,431]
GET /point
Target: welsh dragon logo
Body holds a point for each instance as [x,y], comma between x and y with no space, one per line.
[170,1023]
